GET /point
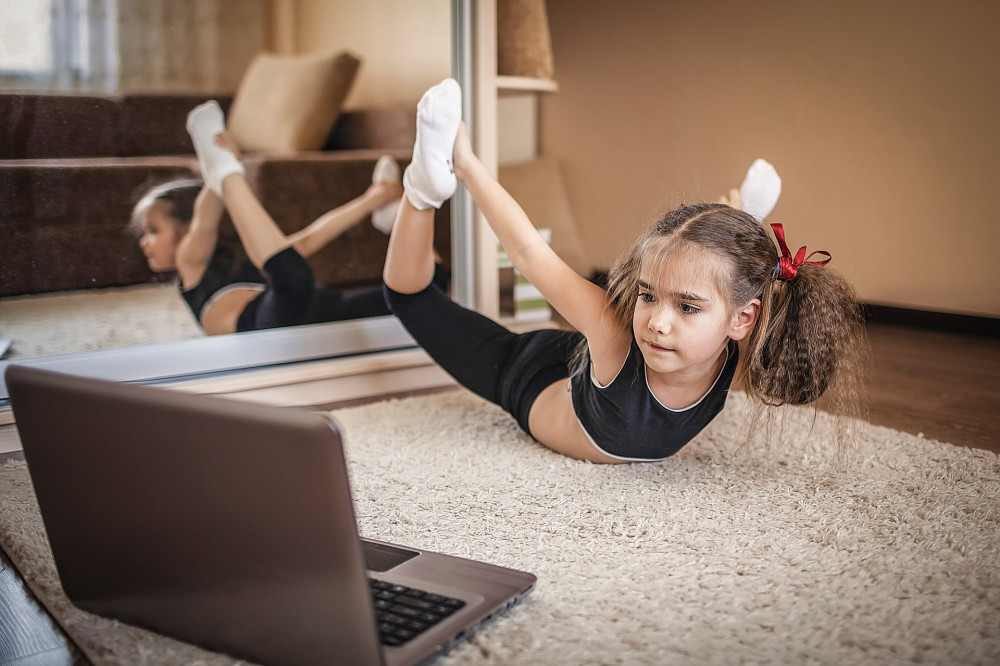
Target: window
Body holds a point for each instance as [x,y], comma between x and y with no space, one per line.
[58,44]
[25,37]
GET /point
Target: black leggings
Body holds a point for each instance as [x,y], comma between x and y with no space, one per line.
[506,368]
[292,297]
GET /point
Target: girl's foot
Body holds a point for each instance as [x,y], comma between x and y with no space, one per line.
[430,179]
[205,123]
[387,172]
[760,189]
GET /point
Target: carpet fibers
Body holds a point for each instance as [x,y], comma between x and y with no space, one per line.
[90,319]
[767,554]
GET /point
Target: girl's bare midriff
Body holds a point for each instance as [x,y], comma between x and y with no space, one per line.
[553,423]
[223,311]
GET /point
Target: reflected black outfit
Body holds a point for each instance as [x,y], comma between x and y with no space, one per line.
[291,296]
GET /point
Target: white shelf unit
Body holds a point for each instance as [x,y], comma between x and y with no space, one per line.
[524,84]
[488,87]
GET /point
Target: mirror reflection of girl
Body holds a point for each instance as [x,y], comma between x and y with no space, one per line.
[179,223]
[651,358]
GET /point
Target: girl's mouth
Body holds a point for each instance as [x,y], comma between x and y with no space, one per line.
[657,347]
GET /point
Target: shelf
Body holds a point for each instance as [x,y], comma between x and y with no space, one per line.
[517,84]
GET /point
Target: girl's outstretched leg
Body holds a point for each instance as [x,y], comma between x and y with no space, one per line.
[409,262]
[427,183]
[224,174]
[506,368]
[260,235]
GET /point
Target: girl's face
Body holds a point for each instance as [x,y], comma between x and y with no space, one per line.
[682,322]
[161,234]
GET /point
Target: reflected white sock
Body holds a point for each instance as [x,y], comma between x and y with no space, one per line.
[386,170]
[760,189]
[204,123]
[430,180]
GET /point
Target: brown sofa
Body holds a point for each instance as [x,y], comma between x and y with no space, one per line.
[72,167]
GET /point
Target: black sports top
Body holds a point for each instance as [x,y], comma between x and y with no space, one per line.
[625,420]
[220,272]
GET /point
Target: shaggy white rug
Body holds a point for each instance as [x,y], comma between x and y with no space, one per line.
[91,319]
[769,554]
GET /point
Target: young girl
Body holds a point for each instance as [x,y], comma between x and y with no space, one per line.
[179,222]
[651,359]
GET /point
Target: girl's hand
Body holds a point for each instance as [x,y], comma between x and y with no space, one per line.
[462,155]
[223,140]
[732,199]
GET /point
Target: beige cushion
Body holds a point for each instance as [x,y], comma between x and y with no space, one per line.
[290,103]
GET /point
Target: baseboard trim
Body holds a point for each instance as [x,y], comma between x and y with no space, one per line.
[937,321]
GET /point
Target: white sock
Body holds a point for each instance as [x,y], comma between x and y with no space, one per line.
[386,170]
[204,123]
[430,180]
[760,189]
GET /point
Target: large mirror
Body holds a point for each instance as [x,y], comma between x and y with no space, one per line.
[85,311]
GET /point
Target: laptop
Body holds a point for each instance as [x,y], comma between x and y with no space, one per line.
[231,525]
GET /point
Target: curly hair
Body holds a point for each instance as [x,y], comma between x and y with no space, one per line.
[810,334]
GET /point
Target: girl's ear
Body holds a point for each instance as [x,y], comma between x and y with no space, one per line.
[744,320]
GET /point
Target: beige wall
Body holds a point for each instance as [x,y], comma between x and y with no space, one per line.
[405,45]
[881,117]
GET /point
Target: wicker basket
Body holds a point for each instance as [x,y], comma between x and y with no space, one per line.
[524,46]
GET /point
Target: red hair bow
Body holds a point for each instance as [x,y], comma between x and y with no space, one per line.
[788,267]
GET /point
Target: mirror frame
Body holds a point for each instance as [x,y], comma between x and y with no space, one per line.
[256,350]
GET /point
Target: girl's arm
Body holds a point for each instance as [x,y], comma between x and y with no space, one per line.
[196,248]
[582,303]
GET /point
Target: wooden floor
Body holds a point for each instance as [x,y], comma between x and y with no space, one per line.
[943,385]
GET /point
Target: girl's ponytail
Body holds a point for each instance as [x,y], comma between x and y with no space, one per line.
[810,336]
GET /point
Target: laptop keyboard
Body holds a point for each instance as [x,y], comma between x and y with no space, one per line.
[403,613]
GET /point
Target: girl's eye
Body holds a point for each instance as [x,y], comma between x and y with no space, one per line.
[645,297]
[687,308]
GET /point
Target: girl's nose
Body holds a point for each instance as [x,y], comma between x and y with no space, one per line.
[659,321]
